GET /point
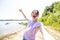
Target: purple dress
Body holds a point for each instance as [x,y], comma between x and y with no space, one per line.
[31,30]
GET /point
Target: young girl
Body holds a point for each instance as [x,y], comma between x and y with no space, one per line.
[33,25]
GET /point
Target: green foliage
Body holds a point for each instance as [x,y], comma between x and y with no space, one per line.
[51,16]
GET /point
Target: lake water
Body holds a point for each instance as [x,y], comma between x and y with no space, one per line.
[8,26]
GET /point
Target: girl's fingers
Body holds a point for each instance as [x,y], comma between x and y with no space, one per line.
[20,10]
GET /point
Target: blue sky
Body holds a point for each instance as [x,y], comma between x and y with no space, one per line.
[9,9]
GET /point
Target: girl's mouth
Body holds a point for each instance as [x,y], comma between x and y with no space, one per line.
[34,16]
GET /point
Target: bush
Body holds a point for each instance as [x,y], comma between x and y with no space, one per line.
[51,16]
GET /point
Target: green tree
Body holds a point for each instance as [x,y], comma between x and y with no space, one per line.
[51,16]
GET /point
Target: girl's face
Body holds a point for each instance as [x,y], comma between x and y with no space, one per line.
[34,15]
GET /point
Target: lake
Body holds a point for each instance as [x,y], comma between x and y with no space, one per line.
[8,26]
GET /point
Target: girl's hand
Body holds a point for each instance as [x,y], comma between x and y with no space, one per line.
[20,10]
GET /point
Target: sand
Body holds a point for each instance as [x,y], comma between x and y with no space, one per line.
[18,35]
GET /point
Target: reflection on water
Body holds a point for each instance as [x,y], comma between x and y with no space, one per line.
[8,26]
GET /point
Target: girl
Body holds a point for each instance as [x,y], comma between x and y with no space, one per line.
[33,25]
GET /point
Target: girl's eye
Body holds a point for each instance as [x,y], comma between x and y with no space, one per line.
[32,12]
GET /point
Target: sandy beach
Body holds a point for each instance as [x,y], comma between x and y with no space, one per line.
[18,35]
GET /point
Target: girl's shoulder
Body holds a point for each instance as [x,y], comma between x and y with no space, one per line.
[38,23]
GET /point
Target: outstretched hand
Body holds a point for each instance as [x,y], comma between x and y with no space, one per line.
[20,10]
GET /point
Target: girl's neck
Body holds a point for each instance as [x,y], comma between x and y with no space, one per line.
[34,20]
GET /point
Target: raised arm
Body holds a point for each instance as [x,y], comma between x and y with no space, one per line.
[20,10]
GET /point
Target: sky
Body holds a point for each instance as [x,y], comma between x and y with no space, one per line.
[9,9]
